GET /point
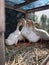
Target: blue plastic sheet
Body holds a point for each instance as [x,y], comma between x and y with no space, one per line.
[35,4]
[32,5]
[13,2]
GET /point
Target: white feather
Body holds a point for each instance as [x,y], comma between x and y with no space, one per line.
[14,37]
[29,34]
[42,33]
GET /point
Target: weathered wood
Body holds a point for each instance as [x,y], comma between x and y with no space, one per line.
[26,15]
[2,49]
[11,7]
[23,4]
[38,9]
[45,60]
[2,29]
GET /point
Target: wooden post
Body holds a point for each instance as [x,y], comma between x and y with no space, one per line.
[26,17]
[2,51]
[2,28]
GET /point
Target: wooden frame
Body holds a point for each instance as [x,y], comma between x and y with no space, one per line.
[2,49]
[38,9]
[2,28]
[17,7]
[11,7]
[2,23]
[25,3]
[2,16]
[28,11]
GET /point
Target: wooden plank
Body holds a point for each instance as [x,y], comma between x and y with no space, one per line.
[23,4]
[38,9]
[45,61]
[11,7]
[2,15]
[2,28]
[2,49]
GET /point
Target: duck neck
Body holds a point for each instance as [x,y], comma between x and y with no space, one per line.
[24,22]
[17,27]
[35,29]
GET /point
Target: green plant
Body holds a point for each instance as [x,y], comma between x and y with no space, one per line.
[35,18]
[48,24]
[43,20]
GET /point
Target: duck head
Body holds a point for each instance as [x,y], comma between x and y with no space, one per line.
[20,24]
[28,23]
[37,25]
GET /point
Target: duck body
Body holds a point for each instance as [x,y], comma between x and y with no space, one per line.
[14,37]
[29,34]
[42,33]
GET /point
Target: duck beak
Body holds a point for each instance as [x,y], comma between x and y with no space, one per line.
[37,25]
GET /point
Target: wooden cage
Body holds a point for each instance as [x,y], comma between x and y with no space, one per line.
[3,5]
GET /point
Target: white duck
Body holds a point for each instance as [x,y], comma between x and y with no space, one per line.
[41,33]
[28,33]
[14,37]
